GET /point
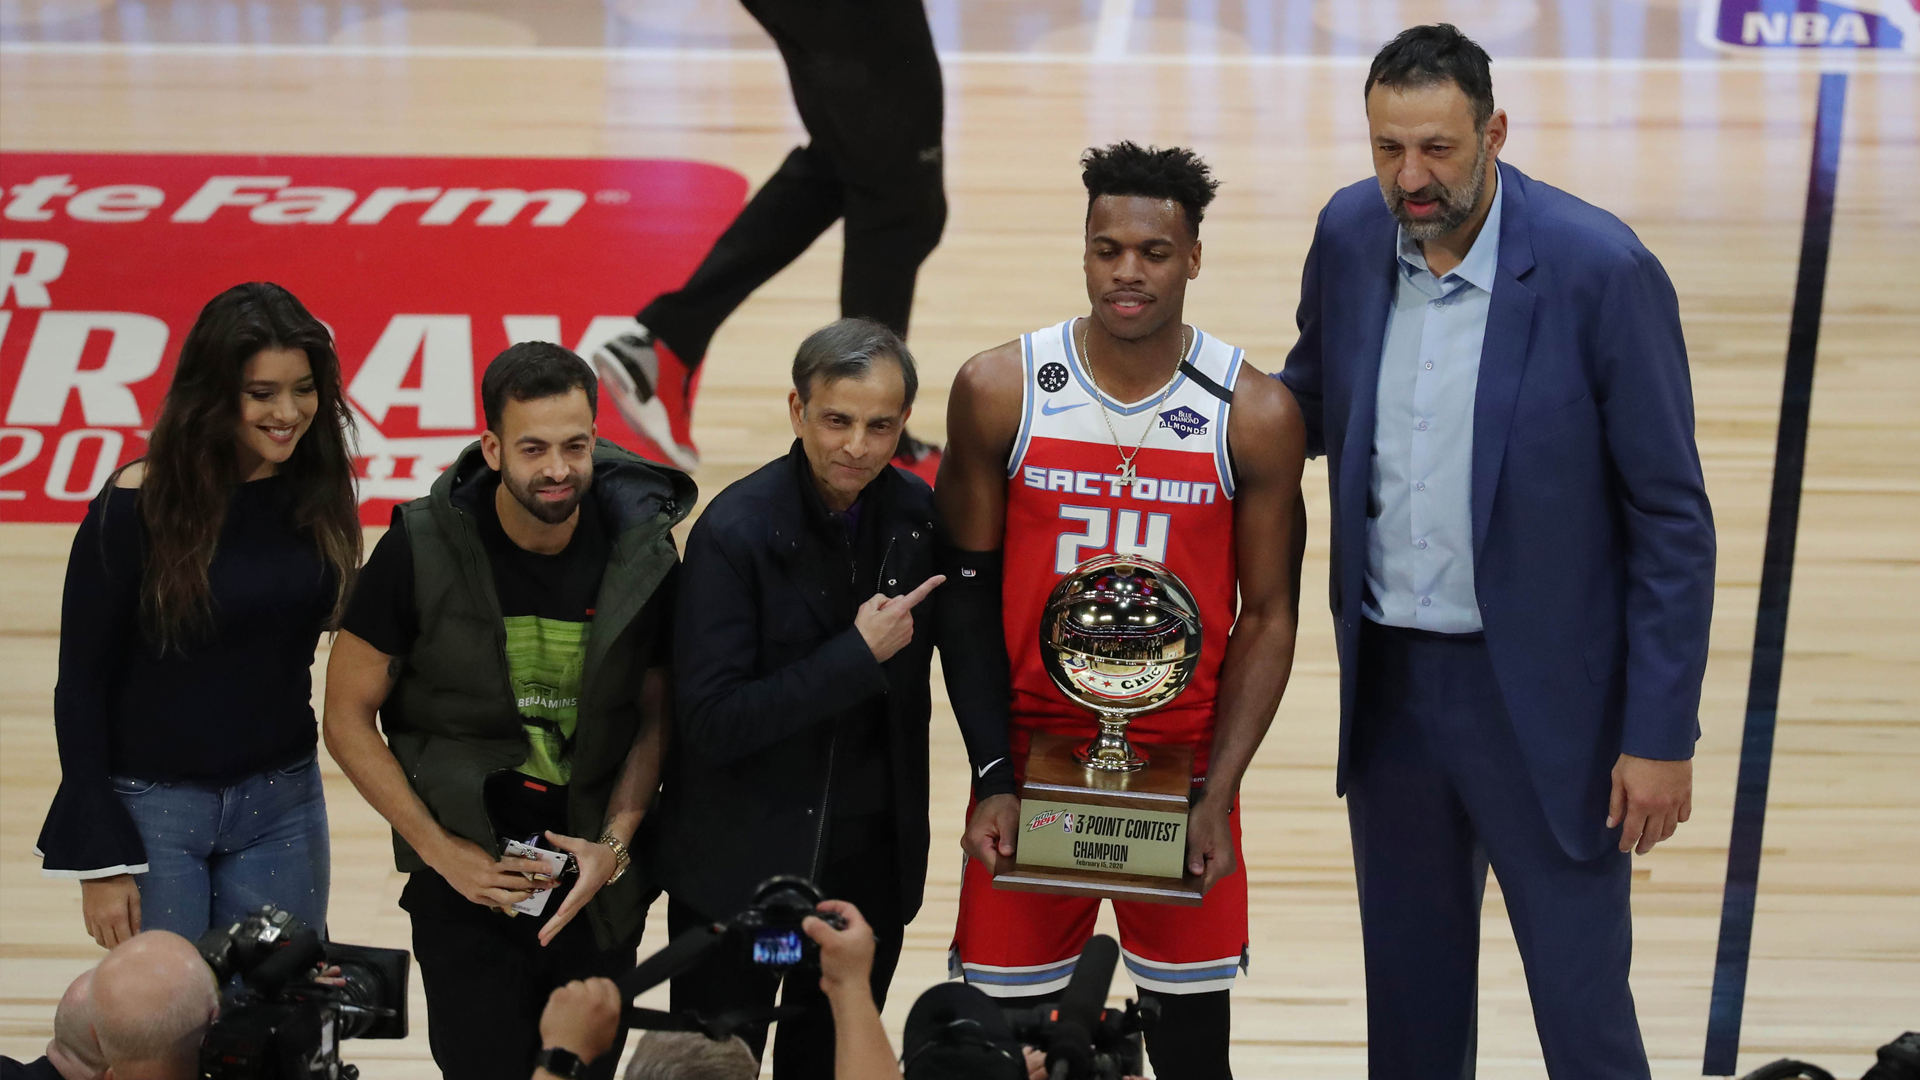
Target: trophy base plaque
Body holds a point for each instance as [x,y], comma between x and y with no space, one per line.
[1086,832]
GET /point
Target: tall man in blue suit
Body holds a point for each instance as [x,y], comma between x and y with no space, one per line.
[1522,566]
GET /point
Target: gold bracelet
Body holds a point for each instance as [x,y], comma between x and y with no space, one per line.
[622,858]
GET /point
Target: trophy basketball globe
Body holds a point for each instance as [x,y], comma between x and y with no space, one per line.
[1120,635]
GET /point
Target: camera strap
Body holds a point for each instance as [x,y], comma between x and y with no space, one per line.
[719,1028]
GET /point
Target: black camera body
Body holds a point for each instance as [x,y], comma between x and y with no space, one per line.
[771,926]
[277,1020]
[1116,1047]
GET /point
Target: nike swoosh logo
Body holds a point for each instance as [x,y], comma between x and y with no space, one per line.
[1047,407]
[988,767]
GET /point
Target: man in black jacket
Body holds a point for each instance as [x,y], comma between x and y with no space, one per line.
[802,653]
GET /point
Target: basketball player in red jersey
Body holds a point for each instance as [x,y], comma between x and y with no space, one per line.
[1124,431]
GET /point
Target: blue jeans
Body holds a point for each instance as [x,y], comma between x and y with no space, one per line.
[216,854]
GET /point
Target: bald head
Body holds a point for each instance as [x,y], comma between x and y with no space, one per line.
[75,1051]
[153,997]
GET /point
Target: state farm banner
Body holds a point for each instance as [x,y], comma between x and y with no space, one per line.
[424,268]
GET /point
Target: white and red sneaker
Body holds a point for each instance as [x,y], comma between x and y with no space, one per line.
[659,409]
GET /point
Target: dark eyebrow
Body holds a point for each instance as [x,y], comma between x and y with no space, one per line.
[1103,238]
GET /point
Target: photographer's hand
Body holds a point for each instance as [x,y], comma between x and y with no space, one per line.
[860,1047]
[478,876]
[991,828]
[1210,854]
[846,956]
[597,863]
[581,1017]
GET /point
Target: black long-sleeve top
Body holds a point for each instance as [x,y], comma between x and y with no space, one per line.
[234,701]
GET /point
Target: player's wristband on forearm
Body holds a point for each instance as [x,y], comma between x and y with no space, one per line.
[996,779]
[973,655]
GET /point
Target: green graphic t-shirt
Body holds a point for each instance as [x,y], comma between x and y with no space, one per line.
[544,659]
[547,604]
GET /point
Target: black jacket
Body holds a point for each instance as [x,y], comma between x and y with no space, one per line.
[766,670]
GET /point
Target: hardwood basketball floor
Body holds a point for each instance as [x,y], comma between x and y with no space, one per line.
[1706,160]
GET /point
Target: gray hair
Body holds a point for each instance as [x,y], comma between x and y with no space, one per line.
[846,350]
[689,1055]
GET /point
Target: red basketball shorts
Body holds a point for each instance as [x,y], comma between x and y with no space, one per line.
[1011,944]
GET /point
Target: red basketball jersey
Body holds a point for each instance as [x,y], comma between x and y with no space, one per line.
[1065,505]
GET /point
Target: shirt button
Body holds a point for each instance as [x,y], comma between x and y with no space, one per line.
[1429,365]
[1426,601]
[1420,543]
[1422,425]
[1420,485]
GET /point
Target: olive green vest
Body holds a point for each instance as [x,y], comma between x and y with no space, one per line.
[452,719]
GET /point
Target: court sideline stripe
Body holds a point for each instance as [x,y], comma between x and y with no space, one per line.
[1793,62]
[1776,586]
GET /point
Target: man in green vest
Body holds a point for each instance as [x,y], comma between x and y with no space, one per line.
[510,634]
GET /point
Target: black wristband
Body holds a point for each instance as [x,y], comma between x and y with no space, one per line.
[562,1063]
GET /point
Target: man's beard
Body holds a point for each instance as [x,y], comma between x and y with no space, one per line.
[1454,207]
[553,513]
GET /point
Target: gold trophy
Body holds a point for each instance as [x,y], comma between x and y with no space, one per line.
[1121,636]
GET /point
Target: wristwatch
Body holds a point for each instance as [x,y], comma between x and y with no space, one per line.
[621,856]
[564,1064]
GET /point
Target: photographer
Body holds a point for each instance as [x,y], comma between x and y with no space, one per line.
[74,1051]
[139,1015]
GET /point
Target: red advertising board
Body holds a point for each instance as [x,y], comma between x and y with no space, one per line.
[424,268]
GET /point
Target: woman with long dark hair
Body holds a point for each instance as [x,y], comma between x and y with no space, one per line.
[198,586]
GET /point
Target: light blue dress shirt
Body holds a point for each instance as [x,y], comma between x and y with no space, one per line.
[1420,510]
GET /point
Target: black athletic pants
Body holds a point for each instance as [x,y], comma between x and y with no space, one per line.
[866,875]
[867,85]
[488,978]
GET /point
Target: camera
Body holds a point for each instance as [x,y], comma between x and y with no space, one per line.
[770,932]
[277,1020]
[771,926]
[954,1030]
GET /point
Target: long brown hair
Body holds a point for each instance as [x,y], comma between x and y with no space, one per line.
[192,466]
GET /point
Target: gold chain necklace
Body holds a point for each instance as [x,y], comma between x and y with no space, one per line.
[1126,478]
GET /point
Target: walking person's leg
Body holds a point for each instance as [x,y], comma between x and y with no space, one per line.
[273,846]
[179,825]
[887,146]
[789,212]
[866,83]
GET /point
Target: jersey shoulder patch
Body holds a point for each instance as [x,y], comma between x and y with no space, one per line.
[1052,376]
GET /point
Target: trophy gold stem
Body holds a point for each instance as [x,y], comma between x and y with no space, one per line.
[1110,751]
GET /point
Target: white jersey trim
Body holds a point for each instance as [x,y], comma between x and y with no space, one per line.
[1222,451]
[1026,406]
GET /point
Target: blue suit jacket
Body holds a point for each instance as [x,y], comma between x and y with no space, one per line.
[1593,542]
